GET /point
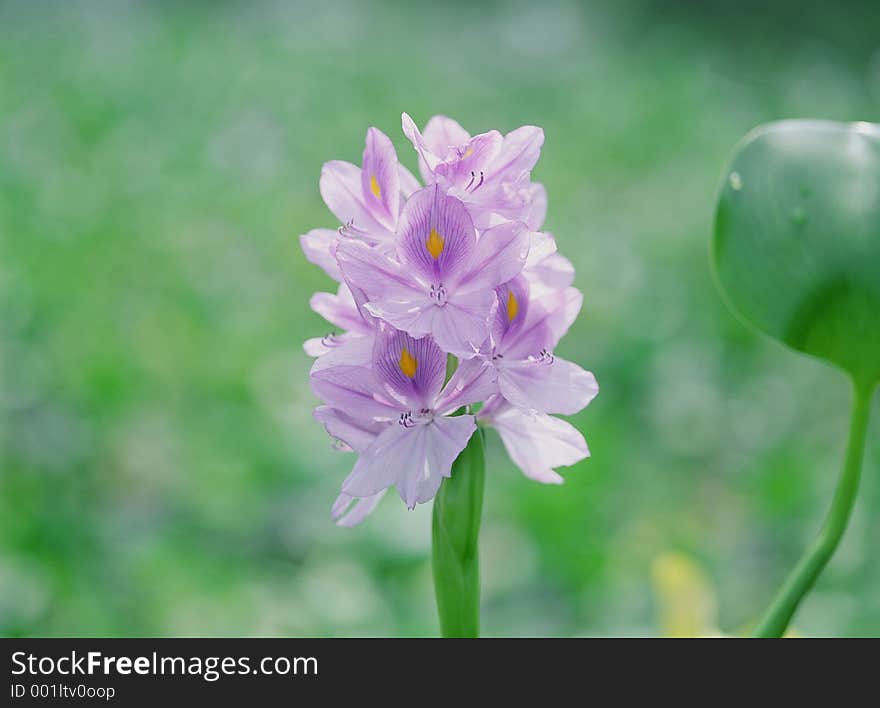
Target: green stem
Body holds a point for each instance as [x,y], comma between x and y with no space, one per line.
[801,579]
[456,528]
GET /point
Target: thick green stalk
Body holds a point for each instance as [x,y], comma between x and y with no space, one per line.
[458,507]
[801,579]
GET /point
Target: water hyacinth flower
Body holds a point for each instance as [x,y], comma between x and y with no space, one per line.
[449,305]
[490,173]
[524,335]
[365,199]
[396,401]
[442,278]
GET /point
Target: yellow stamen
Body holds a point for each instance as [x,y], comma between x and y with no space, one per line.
[408,363]
[434,244]
[467,153]
[374,187]
[512,306]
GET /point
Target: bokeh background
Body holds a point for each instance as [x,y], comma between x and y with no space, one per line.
[160,473]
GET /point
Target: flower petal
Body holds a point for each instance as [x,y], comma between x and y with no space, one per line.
[346,351]
[541,245]
[461,326]
[353,389]
[560,387]
[318,245]
[436,236]
[347,515]
[414,316]
[549,275]
[500,255]
[445,438]
[539,443]
[380,179]
[340,310]
[537,209]
[341,190]
[322,346]
[443,134]
[547,321]
[519,152]
[474,380]
[466,166]
[410,370]
[428,161]
[358,434]
[408,183]
[415,460]
[368,269]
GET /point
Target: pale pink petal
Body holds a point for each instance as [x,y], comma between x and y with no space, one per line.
[345,351]
[428,161]
[347,515]
[408,183]
[340,309]
[317,244]
[466,165]
[462,325]
[539,443]
[558,387]
[500,255]
[549,275]
[357,433]
[547,320]
[443,134]
[445,438]
[397,451]
[474,380]
[315,347]
[520,151]
[321,346]
[537,209]
[415,460]
[414,316]
[341,190]
[353,389]
[541,245]
[378,276]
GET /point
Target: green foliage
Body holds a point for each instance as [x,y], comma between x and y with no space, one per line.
[797,250]
[797,239]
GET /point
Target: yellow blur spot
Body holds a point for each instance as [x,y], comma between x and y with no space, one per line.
[434,244]
[512,306]
[374,187]
[408,363]
[467,153]
[685,597]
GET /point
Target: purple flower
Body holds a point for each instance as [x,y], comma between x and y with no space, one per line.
[489,173]
[395,412]
[524,334]
[443,278]
[366,200]
[456,270]
[342,311]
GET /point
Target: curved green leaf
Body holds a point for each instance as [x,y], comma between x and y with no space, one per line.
[796,246]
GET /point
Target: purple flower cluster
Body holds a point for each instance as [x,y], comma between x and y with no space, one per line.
[453,275]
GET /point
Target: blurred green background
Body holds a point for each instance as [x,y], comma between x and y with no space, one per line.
[161,473]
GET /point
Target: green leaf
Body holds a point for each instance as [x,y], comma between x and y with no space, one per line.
[456,528]
[796,247]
